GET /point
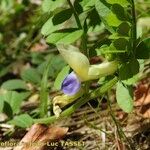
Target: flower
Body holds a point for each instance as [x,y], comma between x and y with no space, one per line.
[76,60]
[81,66]
[82,71]
[71,84]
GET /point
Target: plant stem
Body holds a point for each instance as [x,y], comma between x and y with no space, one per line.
[98,92]
[84,36]
[75,14]
[134,28]
[44,92]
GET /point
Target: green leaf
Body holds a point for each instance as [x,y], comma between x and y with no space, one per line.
[87,4]
[31,75]
[123,3]
[1,104]
[119,11]
[124,28]
[102,8]
[120,44]
[124,95]
[23,121]
[107,14]
[60,77]
[112,20]
[7,109]
[132,80]
[49,27]
[62,16]
[14,84]
[24,95]
[129,69]
[135,78]
[64,37]
[116,36]
[51,5]
[14,99]
[57,63]
[37,58]
[56,22]
[143,49]
[94,24]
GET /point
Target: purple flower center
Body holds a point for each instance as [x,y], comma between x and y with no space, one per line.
[71,84]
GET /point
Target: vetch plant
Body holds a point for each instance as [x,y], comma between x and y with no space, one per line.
[98,51]
[83,71]
[69,29]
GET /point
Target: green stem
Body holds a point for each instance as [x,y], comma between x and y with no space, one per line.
[75,14]
[44,92]
[134,28]
[98,92]
[84,36]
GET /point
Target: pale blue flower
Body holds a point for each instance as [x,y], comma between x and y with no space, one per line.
[71,84]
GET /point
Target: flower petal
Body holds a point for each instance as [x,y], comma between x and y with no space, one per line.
[71,84]
[103,69]
[76,60]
